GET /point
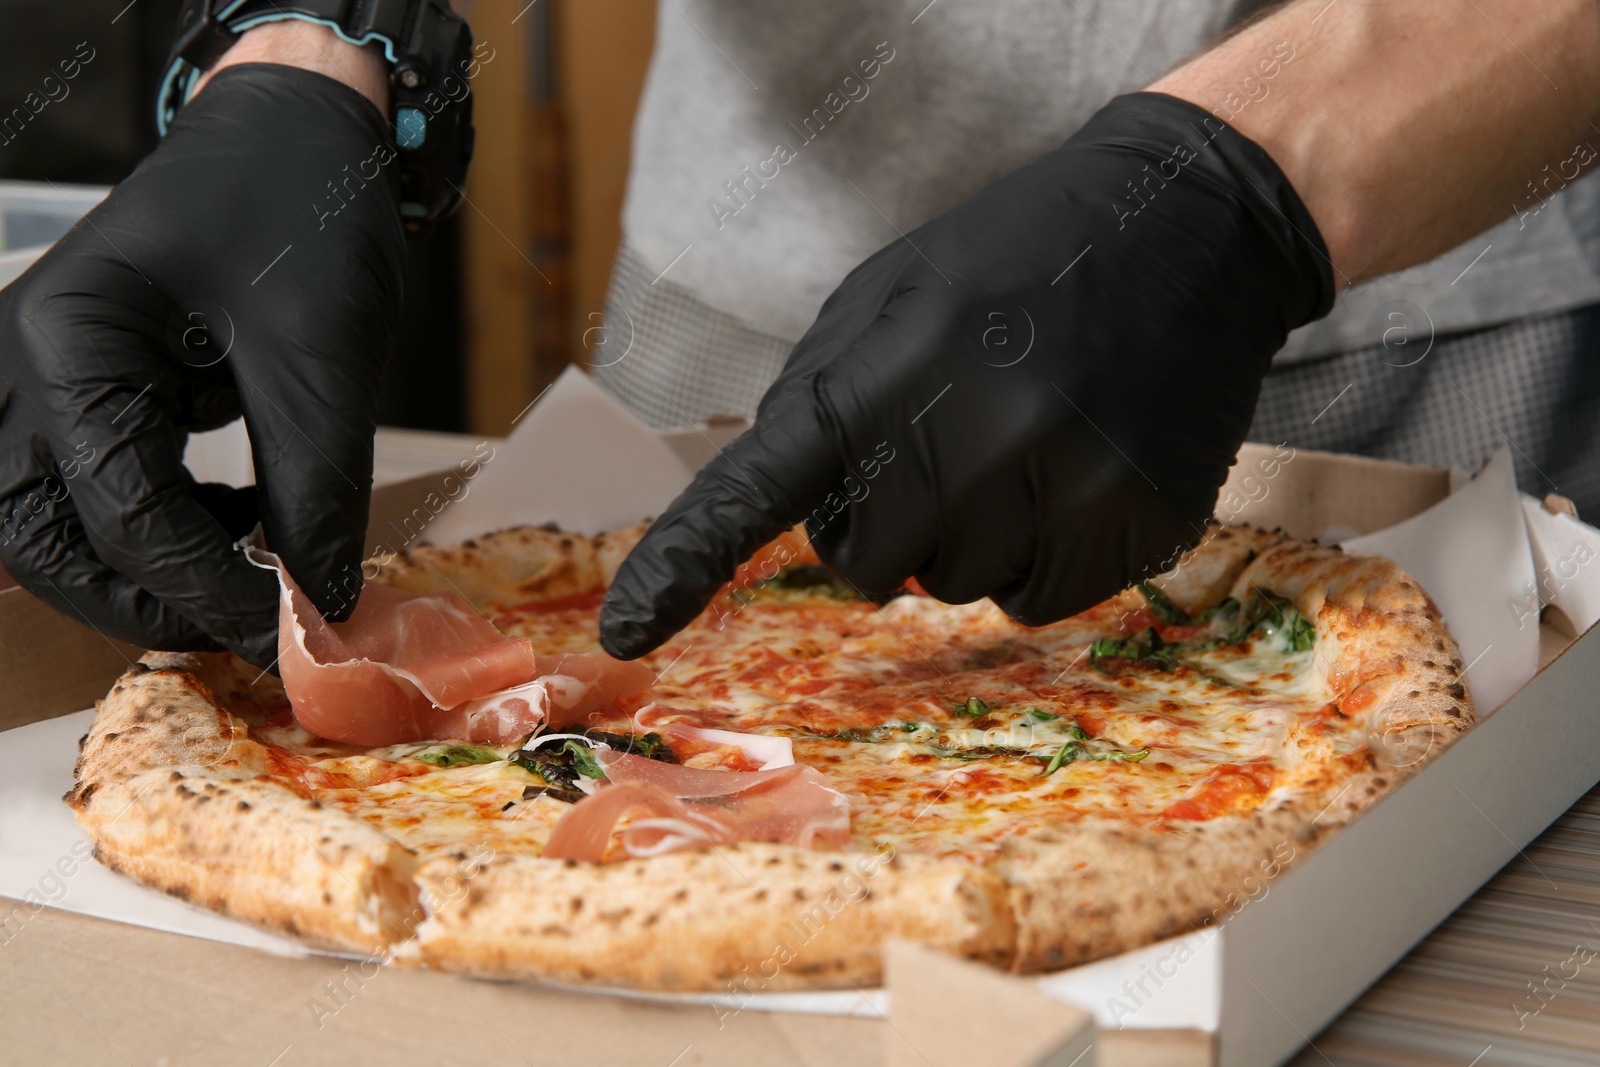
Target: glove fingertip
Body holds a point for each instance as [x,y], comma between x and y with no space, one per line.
[626,639]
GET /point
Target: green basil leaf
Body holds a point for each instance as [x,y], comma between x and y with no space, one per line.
[566,796]
[1302,633]
[1126,757]
[1064,755]
[1035,715]
[583,760]
[1144,648]
[972,709]
[457,755]
[1164,609]
[1225,610]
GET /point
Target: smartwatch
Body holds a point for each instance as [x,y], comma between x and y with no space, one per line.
[431,67]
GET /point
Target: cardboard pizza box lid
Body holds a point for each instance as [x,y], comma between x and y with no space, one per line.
[949,1012]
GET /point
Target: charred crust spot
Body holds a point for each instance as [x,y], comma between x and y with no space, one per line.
[800,894]
[550,527]
[680,896]
[1428,663]
[575,905]
[1454,710]
[327,897]
[1414,694]
[1438,646]
[244,805]
[1457,690]
[651,919]
[835,865]
[569,864]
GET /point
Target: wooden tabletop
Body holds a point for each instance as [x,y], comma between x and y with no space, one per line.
[1512,978]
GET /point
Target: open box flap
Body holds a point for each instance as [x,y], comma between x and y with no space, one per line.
[1470,553]
[579,459]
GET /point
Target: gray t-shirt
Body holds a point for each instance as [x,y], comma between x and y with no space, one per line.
[777,145]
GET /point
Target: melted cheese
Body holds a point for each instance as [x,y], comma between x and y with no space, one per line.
[882,701]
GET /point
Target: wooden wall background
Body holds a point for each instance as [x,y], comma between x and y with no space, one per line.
[554,112]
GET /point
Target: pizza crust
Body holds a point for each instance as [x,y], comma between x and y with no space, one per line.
[174,794]
[782,917]
[506,567]
[1089,891]
[173,791]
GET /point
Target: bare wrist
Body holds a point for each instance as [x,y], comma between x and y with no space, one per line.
[309,46]
[1407,127]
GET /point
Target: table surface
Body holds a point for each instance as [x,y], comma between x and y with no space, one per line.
[1512,978]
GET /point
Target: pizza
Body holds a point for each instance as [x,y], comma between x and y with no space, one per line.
[801,774]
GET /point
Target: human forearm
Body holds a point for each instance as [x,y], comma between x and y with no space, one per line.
[297,43]
[1407,127]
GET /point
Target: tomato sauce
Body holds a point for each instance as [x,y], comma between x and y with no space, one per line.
[1226,789]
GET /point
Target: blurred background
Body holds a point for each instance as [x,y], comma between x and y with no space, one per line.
[498,298]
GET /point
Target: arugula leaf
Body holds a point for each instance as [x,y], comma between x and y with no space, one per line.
[1299,633]
[1078,748]
[563,765]
[650,746]
[1226,610]
[583,760]
[1164,608]
[1145,649]
[1126,757]
[457,755]
[566,796]
[1064,755]
[972,709]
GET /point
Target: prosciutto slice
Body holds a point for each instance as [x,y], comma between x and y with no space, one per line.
[766,751]
[406,667]
[689,807]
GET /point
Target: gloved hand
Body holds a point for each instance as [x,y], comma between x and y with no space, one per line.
[1034,397]
[251,263]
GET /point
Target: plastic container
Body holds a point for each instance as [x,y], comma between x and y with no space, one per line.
[33,215]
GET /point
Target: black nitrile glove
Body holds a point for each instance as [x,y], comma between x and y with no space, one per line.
[1034,397]
[251,263]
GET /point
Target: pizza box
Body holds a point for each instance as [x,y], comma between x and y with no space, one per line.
[91,961]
